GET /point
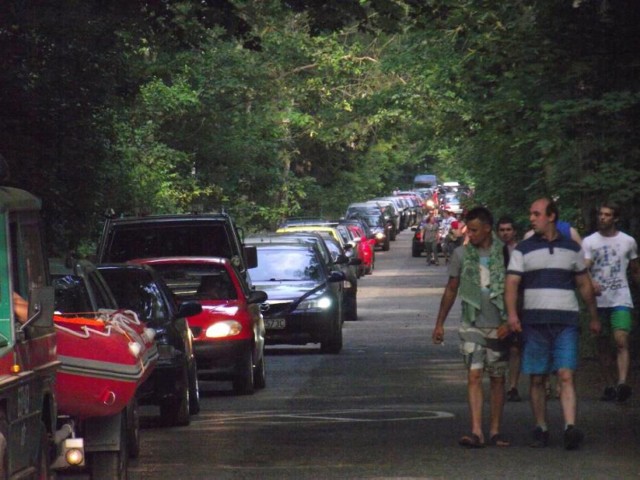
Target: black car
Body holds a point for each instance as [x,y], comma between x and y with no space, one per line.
[304,304]
[174,383]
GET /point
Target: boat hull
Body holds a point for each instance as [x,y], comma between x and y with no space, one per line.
[102,364]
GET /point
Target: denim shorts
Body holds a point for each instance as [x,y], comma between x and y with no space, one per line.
[549,348]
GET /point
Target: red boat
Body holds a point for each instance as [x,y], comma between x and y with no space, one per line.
[105,357]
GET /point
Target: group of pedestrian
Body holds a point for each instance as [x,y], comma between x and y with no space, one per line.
[447,232]
[521,313]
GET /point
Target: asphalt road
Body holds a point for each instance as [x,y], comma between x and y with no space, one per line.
[390,406]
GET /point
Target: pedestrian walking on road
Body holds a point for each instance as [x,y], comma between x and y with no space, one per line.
[608,254]
[549,267]
[507,233]
[476,271]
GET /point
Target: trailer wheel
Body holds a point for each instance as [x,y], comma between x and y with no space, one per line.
[133,428]
[112,465]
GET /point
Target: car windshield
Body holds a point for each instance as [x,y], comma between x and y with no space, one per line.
[197,282]
[373,220]
[149,241]
[278,264]
[71,295]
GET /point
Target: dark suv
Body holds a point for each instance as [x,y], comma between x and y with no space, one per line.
[191,235]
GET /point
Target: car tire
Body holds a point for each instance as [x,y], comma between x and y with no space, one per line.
[416,251]
[194,390]
[260,374]
[386,246]
[175,410]
[244,381]
[352,308]
[112,465]
[333,344]
[392,234]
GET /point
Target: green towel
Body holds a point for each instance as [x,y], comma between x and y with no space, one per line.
[470,292]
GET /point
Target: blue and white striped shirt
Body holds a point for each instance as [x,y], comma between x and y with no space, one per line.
[547,271]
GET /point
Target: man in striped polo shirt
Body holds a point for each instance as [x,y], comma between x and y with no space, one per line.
[549,267]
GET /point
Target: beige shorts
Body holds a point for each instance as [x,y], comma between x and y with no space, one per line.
[481,349]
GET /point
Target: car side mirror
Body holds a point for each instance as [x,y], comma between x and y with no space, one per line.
[336,277]
[189,309]
[257,296]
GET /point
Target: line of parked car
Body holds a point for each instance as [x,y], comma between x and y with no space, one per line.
[215,297]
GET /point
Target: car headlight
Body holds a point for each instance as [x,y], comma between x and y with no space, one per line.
[227,328]
[316,303]
[379,235]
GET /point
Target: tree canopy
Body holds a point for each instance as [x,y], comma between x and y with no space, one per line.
[283,107]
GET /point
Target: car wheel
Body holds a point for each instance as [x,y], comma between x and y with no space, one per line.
[392,234]
[194,390]
[175,410]
[112,465]
[260,374]
[334,343]
[416,251]
[385,247]
[243,382]
[352,308]
[133,428]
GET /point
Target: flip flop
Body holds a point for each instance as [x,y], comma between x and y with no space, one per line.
[498,440]
[471,441]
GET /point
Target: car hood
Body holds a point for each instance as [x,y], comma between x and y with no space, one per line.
[285,290]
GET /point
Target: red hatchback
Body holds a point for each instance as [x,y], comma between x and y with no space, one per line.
[366,247]
[228,336]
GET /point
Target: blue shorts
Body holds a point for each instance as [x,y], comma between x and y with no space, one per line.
[548,348]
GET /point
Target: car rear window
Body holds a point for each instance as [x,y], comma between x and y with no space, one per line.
[181,239]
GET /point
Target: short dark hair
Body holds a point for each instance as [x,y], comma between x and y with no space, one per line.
[612,206]
[506,219]
[551,208]
[480,213]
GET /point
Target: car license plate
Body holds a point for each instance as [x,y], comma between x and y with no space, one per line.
[275,323]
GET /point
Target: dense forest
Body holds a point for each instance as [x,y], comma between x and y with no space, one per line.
[286,107]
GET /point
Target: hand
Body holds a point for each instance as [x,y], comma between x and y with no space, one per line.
[595,326]
[514,323]
[438,334]
[504,331]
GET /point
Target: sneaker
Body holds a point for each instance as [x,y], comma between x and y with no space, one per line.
[572,438]
[623,392]
[609,394]
[513,395]
[540,438]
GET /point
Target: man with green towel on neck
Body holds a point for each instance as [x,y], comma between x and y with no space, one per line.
[477,273]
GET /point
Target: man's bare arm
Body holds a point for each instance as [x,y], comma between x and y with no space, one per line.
[585,288]
[511,286]
[448,298]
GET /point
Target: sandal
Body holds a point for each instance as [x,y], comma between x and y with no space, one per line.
[471,441]
[498,440]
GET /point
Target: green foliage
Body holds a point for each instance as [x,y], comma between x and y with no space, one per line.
[277,108]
